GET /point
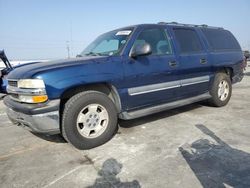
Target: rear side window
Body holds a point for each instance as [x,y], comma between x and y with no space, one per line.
[188,40]
[221,39]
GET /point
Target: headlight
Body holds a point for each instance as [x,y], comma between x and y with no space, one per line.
[28,91]
[31,84]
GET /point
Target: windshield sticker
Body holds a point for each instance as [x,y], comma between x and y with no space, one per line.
[125,32]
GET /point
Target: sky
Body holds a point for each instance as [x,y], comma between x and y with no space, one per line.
[42,29]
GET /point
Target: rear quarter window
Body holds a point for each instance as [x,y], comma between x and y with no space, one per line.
[188,40]
[219,39]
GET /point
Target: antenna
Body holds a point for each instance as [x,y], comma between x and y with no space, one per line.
[68,48]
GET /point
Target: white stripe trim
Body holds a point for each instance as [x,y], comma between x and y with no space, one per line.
[167,85]
[153,90]
[195,80]
[188,84]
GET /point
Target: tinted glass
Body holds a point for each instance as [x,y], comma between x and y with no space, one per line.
[221,39]
[108,44]
[188,40]
[157,39]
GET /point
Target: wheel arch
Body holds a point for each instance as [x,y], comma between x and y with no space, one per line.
[228,70]
[106,88]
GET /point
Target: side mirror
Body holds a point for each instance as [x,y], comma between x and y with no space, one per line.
[140,50]
[247,54]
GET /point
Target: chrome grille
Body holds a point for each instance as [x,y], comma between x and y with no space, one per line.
[12,83]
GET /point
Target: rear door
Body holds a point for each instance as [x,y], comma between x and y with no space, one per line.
[195,67]
[152,79]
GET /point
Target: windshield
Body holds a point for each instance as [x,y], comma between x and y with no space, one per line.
[108,44]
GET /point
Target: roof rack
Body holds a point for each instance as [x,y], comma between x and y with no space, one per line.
[188,25]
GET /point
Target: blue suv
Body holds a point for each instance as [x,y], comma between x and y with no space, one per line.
[126,73]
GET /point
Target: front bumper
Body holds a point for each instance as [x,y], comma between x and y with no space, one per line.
[39,118]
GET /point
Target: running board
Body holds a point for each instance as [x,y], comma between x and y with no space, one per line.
[162,107]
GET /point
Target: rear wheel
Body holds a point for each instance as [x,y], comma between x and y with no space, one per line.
[221,90]
[89,120]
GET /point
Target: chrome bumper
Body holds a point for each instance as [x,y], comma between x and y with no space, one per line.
[39,118]
[40,123]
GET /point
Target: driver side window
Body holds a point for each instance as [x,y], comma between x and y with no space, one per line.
[157,39]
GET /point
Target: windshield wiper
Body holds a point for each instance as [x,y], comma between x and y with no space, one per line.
[78,55]
[92,54]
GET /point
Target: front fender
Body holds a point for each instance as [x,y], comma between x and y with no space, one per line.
[60,80]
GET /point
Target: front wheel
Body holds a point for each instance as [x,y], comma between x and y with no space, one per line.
[89,119]
[221,90]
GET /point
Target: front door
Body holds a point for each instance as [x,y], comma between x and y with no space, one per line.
[152,79]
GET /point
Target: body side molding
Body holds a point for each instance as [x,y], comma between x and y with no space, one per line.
[167,85]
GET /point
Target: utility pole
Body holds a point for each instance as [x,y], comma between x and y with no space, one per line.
[68,48]
[69,43]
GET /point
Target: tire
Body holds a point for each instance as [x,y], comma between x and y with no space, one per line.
[89,120]
[220,96]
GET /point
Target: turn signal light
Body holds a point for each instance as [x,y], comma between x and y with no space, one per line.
[40,98]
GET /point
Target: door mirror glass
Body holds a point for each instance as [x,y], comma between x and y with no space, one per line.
[141,50]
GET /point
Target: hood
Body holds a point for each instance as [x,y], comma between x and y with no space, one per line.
[30,69]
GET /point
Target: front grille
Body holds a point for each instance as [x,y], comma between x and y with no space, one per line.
[12,83]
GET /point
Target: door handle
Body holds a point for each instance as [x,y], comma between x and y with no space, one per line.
[203,61]
[172,63]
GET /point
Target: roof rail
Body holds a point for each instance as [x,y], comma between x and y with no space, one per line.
[188,25]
